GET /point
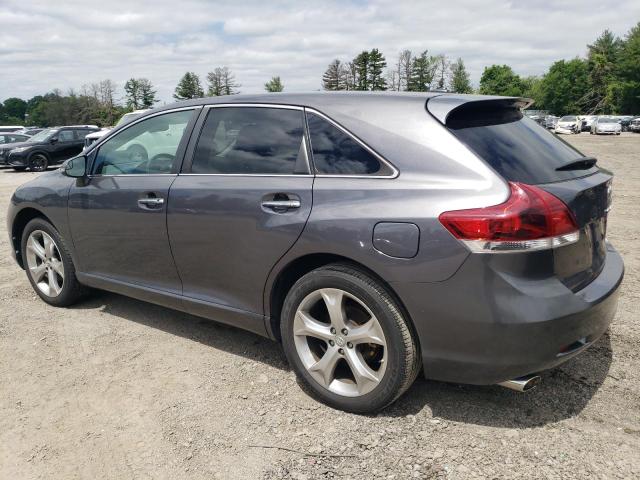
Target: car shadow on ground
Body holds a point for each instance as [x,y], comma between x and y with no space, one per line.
[563,393]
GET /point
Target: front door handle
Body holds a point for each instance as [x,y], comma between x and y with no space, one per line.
[281,204]
[151,202]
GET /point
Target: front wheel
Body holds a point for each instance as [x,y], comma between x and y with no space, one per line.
[48,264]
[38,162]
[347,339]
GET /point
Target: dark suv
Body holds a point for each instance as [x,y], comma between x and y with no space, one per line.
[48,147]
[374,235]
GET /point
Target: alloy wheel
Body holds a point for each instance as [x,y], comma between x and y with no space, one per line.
[38,163]
[45,263]
[340,342]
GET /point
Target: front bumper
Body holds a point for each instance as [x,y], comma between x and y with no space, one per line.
[484,325]
[607,132]
[17,159]
[565,130]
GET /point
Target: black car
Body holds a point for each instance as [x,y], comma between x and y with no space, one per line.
[49,147]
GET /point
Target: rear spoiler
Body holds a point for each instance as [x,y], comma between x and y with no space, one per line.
[443,105]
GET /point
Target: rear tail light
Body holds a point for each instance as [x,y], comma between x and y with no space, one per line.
[530,219]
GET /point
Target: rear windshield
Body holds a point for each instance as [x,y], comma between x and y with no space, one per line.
[515,146]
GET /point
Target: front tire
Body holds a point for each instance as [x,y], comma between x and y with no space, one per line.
[348,340]
[38,162]
[48,264]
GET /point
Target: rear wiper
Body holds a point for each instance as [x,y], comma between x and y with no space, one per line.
[584,163]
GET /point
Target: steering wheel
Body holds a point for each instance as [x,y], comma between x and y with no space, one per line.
[160,163]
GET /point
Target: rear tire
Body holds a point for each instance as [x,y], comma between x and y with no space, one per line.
[347,339]
[48,264]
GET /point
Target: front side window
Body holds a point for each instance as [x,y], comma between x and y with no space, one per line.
[251,140]
[148,147]
[65,136]
[337,153]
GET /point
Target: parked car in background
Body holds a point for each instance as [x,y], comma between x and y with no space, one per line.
[551,121]
[320,221]
[634,125]
[587,121]
[606,126]
[30,131]
[10,128]
[625,121]
[126,118]
[568,124]
[49,147]
[10,137]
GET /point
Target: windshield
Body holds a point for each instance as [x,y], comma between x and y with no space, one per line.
[568,118]
[128,117]
[43,135]
[607,120]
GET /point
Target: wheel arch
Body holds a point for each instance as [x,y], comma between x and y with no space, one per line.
[22,218]
[289,274]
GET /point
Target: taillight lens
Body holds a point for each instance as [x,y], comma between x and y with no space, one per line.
[530,219]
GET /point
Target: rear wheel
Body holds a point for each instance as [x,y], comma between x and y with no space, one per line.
[347,339]
[38,162]
[48,264]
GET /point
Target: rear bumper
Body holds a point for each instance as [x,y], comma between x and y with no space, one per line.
[484,326]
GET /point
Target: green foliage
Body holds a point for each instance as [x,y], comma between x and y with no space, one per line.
[334,77]
[459,82]
[500,80]
[625,90]
[564,87]
[361,64]
[375,70]
[139,93]
[14,107]
[274,85]
[423,71]
[221,82]
[188,87]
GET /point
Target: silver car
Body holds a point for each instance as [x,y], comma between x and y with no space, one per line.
[606,126]
[568,124]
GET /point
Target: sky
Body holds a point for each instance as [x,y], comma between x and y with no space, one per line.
[65,44]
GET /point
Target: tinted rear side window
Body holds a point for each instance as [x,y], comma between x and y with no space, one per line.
[515,146]
[251,140]
[336,153]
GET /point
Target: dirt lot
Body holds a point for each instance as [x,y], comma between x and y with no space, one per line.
[119,389]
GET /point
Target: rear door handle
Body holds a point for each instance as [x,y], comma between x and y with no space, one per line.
[281,204]
[150,202]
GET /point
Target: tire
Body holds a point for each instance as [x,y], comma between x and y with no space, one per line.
[385,367]
[57,264]
[38,162]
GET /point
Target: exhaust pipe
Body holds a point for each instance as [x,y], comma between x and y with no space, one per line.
[522,384]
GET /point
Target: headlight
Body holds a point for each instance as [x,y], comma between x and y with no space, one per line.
[19,149]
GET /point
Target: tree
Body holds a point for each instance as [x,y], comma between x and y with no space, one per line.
[274,85]
[442,66]
[532,88]
[564,86]
[14,108]
[188,87]
[423,70]
[147,93]
[132,93]
[601,57]
[221,82]
[361,64]
[500,80]
[334,76]
[625,91]
[459,78]
[375,70]
[404,69]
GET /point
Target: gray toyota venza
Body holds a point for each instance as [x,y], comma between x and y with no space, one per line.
[373,235]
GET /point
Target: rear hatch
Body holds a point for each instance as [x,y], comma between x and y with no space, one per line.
[520,150]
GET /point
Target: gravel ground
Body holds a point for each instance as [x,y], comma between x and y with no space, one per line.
[116,388]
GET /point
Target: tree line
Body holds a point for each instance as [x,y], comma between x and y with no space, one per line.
[606,81]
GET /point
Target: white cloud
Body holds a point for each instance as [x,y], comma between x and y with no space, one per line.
[46,45]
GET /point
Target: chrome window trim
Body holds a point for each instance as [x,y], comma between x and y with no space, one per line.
[102,140]
[379,157]
[256,105]
[301,175]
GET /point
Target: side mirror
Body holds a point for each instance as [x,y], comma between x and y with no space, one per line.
[53,140]
[75,167]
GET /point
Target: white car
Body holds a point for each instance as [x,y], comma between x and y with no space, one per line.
[606,126]
[568,124]
[126,118]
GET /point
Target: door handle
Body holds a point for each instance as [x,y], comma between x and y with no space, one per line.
[150,202]
[281,204]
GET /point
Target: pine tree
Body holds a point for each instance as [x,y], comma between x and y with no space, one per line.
[274,85]
[221,82]
[361,64]
[423,69]
[459,82]
[132,93]
[375,70]
[334,76]
[147,93]
[189,87]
